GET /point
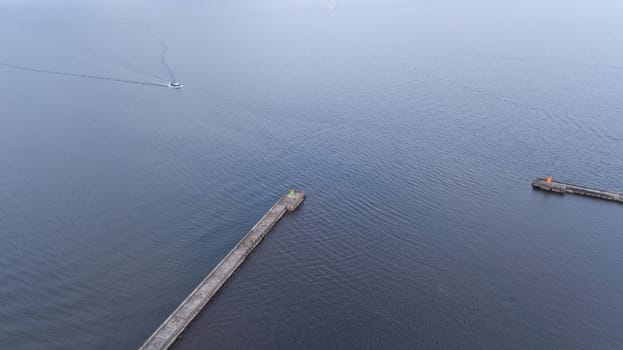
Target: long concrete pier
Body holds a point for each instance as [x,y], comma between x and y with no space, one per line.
[175,324]
[560,187]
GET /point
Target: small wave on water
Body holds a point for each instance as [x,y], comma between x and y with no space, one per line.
[565,119]
[569,122]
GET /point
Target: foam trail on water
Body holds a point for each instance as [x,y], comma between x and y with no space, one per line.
[83,76]
[163,59]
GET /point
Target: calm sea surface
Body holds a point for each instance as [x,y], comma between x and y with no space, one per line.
[415,128]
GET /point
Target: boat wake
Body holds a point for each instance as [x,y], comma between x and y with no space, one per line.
[163,60]
[84,76]
[171,83]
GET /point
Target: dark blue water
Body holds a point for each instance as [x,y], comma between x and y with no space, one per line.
[415,129]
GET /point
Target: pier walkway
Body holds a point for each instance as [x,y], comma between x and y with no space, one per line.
[175,324]
[562,188]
